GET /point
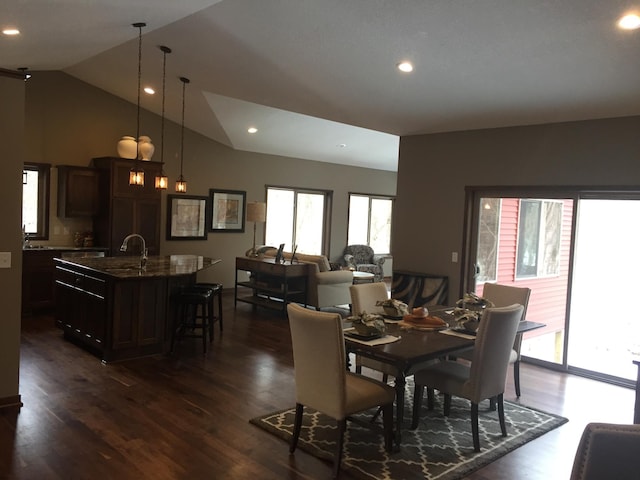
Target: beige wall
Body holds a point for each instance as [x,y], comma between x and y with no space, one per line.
[12,148]
[70,122]
[434,170]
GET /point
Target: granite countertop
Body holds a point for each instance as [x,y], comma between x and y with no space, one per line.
[157,266]
[36,248]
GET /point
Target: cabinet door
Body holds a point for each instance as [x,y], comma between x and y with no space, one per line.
[122,223]
[147,223]
[77,191]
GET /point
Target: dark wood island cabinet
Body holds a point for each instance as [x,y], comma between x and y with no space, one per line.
[115,309]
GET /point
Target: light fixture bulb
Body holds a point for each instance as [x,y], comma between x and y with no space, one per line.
[149,90]
[405,67]
[181,185]
[629,22]
[11,31]
[161,181]
[252,130]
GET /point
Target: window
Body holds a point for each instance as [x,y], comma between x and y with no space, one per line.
[539,229]
[298,217]
[35,200]
[370,221]
[488,240]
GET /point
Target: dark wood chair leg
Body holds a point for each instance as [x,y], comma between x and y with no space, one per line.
[417,403]
[474,427]
[342,426]
[516,377]
[387,421]
[297,425]
[492,404]
[447,404]
[430,398]
[503,425]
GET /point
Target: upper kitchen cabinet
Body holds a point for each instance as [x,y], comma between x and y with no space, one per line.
[125,208]
[77,191]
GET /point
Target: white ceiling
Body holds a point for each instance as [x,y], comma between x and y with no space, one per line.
[318,77]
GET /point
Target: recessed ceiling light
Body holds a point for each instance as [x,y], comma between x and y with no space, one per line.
[629,22]
[252,130]
[11,31]
[149,90]
[342,145]
[405,67]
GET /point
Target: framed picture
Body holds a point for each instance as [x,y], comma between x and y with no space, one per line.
[227,210]
[186,217]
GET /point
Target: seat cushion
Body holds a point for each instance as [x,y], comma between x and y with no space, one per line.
[446,376]
[364,393]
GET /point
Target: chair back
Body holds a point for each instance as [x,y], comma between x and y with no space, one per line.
[361,253]
[607,451]
[365,295]
[319,359]
[494,341]
[504,295]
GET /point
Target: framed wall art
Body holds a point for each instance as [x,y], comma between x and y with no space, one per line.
[186,217]
[227,210]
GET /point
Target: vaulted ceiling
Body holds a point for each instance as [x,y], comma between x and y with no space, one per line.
[318,78]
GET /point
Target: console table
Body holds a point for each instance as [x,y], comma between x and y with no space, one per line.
[272,284]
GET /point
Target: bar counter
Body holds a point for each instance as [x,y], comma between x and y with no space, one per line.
[117,310]
[129,266]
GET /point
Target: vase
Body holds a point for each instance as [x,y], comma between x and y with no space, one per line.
[127,147]
[145,148]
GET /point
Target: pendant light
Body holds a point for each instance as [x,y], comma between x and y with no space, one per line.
[162,181]
[181,184]
[136,174]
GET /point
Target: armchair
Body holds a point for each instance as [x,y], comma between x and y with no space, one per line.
[362,259]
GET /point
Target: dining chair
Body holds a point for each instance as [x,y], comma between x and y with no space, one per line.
[363,299]
[607,451]
[484,378]
[501,296]
[322,381]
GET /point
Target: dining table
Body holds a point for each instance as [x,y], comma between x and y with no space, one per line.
[410,348]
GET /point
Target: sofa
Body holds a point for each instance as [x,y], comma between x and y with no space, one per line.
[325,287]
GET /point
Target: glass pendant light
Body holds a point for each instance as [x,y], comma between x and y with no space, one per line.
[162,181]
[181,184]
[136,174]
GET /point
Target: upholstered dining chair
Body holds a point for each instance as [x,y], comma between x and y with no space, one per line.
[607,451]
[363,299]
[322,381]
[484,378]
[501,296]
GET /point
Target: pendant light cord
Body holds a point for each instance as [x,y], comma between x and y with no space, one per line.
[184,81]
[139,27]
[165,50]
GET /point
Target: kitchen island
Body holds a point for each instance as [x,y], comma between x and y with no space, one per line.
[118,310]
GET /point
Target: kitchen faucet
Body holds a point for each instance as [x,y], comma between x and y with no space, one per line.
[143,251]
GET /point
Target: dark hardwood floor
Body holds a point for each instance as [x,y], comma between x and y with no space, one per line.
[187,415]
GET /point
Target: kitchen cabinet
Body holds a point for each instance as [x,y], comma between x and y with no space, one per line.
[124,208]
[38,272]
[77,191]
[118,311]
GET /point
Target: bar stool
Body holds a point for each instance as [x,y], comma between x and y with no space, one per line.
[216,289]
[194,312]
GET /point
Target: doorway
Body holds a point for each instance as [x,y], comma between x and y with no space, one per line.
[576,252]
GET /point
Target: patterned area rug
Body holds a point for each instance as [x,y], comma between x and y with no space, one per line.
[440,448]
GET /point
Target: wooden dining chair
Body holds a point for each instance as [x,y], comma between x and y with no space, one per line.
[322,381]
[501,296]
[484,378]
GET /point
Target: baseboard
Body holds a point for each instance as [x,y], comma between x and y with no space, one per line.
[10,402]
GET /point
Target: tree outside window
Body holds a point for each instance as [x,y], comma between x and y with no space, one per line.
[370,221]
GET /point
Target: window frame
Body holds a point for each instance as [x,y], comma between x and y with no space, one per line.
[326,221]
[44,199]
[371,197]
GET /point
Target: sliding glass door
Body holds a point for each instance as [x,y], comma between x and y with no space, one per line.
[577,252]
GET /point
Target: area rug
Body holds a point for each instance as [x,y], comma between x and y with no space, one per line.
[440,448]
